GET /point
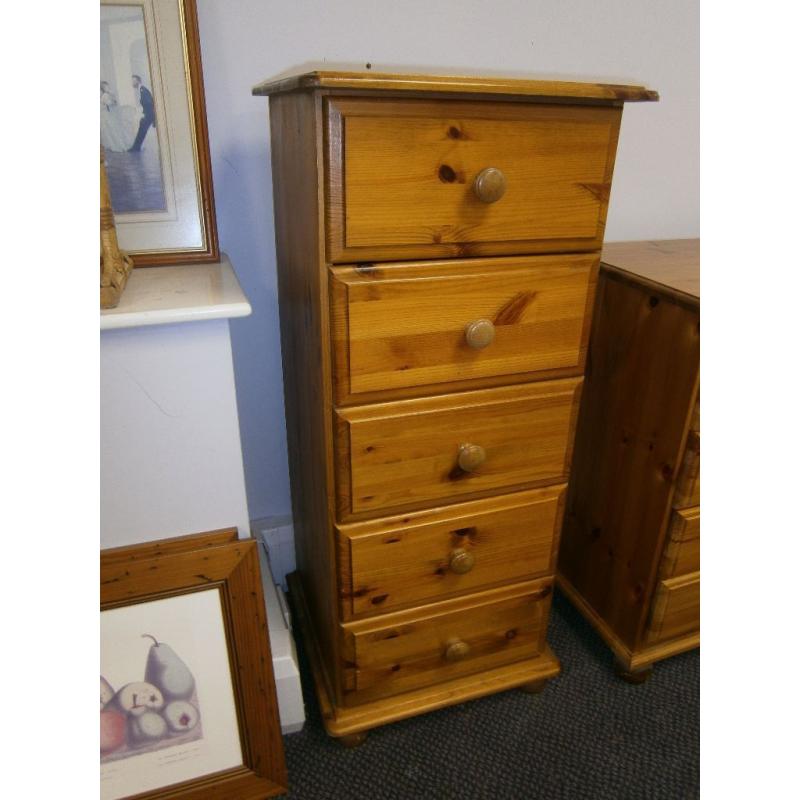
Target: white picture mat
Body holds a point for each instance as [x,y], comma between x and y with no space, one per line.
[180,227]
[193,626]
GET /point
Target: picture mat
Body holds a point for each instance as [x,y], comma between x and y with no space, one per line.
[193,626]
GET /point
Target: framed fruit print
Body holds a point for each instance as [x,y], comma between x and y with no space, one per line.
[153,131]
[187,696]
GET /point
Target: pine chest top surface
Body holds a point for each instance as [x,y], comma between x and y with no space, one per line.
[671,265]
[540,90]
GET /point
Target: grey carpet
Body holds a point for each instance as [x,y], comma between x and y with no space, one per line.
[588,735]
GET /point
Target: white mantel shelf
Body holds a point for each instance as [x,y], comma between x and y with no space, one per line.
[184,293]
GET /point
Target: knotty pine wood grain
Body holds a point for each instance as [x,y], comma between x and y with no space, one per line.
[630,659]
[561,201]
[687,486]
[296,132]
[402,326]
[399,561]
[676,608]
[641,382]
[400,176]
[682,551]
[164,547]
[340,720]
[405,453]
[405,651]
[530,89]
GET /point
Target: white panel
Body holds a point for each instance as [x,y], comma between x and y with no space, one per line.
[171,459]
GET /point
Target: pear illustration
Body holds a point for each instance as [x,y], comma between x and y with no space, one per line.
[166,671]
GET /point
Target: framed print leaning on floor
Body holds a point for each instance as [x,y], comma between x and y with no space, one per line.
[187,697]
[153,131]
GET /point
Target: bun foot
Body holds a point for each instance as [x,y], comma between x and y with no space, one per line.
[353,739]
[636,676]
[534,687]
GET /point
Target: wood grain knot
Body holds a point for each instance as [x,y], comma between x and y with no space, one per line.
[378,599]
[454,133]
[512,311]
[447,174]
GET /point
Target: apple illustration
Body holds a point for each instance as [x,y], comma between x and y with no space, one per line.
[112,730]
[106,692]
[181,716]
[145,728]
[137,698]
[167,671]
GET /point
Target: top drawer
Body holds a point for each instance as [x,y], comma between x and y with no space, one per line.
[407,178]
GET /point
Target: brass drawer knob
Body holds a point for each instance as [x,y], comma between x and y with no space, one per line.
[461,561]
[490,185]
[456,650]
[479,333]
[470,457]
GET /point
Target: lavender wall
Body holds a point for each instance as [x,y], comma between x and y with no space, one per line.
[656,183]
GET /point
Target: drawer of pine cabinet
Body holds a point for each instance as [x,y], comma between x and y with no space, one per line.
[682,552]
[408,453]
[407,650]
[676,608]
[419,178]
[426,556]
[687,484]
[406,325]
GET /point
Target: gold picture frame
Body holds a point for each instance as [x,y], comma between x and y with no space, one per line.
[154,131]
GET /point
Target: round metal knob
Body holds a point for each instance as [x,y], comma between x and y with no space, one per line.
[470,457]
[461,561]
[489,185]
[479,333]
[456,650]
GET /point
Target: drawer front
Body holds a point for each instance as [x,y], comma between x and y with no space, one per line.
[403,177]
[412,452]
[676,608]
[431,555]
[682,552]
[687,485]
[401,652]
[399,326]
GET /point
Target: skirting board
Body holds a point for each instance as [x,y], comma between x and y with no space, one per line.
[284,655]
[277,533]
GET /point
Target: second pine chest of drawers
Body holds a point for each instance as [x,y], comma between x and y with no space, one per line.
[438,243]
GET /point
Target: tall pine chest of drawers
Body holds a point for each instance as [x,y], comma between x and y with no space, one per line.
[438,244]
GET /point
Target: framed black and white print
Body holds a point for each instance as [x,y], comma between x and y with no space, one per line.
[153,131]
